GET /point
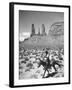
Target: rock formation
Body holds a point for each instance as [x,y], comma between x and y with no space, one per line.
[33,30]
[54,39]
[43,29]
[57,29]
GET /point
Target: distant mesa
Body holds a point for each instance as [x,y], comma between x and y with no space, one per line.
[54,39]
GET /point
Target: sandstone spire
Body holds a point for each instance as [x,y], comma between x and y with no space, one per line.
[43,29]
[33,30]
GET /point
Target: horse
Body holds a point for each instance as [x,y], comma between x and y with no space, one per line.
[48,64]
[45,65]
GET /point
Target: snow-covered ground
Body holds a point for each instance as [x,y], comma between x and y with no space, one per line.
[29,61]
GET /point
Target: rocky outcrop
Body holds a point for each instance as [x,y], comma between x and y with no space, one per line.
[55,38]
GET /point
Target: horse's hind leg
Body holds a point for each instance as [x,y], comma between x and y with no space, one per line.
[58,64]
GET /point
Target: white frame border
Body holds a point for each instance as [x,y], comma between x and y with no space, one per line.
[16,44]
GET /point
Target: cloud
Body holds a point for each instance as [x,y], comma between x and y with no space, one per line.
[24,35]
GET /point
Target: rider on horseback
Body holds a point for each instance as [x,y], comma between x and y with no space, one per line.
[48,62]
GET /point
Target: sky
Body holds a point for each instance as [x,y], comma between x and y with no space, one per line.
[27,18]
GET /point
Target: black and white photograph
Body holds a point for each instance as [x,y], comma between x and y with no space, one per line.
[41,46]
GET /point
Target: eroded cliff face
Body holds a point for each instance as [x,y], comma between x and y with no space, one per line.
[57,29]
[54,39]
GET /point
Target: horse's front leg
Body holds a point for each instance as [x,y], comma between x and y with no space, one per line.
[44,73]
[48,71]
